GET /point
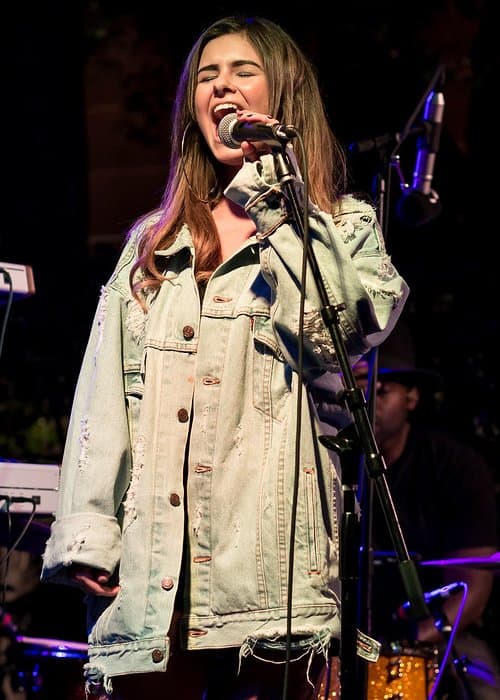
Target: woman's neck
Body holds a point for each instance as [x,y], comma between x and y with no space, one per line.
[233,226]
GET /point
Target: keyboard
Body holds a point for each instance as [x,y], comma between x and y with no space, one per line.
[24,485]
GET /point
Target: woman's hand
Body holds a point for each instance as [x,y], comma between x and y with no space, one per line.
[91,580]
[252,150]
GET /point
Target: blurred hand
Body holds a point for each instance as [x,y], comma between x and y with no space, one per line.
[95,581]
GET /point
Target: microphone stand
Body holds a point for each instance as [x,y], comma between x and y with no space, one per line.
[347,443]
[387,147]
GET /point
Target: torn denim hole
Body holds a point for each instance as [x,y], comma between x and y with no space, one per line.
[129,506]
[238,438]
[84,423]
[135,320]
[315,330]
[75,545]
[386,270]
[197,518]
[101,314]
[84,444]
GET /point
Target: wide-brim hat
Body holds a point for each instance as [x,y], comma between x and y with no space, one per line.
[397,362]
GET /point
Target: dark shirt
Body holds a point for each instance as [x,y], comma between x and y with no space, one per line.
[444,495]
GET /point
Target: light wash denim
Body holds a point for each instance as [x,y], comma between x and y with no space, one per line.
[215,386]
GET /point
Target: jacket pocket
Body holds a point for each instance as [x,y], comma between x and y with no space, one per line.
[272,379]
[312,521]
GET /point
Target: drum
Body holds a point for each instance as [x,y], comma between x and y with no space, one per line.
[54,648]
[42,667]
[403,672]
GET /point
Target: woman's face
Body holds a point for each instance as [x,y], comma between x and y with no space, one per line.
[230,77]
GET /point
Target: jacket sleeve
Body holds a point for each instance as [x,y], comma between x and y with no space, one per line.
[356,270]
[97,456]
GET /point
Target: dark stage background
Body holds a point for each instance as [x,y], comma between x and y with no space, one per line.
[87,104]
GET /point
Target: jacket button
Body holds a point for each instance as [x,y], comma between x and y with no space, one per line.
[188,332]
[167,583]
[182,415]
[175,499]
[157,655]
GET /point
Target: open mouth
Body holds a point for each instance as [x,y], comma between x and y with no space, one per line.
[222,109]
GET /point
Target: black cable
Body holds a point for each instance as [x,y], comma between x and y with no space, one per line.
[17,499]
[8,281]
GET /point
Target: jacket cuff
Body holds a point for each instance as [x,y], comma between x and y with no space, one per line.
[255,189]
[90,539]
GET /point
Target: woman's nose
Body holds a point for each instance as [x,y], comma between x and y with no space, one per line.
[222,85]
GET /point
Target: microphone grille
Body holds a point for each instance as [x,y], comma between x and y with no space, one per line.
[225,131]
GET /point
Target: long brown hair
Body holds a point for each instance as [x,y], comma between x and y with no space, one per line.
[193,186]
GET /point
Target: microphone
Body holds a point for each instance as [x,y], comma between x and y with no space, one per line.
[381,142]
[420,204]
[432,598]
[232,132]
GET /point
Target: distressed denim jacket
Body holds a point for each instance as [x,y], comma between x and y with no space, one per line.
[181,448]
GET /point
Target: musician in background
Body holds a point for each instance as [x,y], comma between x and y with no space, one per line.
[444,494]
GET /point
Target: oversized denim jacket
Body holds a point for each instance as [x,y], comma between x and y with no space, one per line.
[214,386]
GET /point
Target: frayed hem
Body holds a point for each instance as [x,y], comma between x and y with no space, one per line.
[317,643]
[97,684]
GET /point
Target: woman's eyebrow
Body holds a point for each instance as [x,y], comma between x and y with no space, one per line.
[234,64]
